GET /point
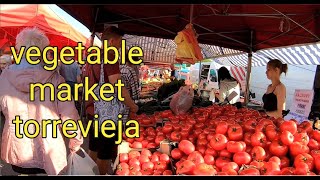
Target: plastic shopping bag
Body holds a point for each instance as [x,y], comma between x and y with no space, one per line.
[78,165]
[182,101]
[188,49]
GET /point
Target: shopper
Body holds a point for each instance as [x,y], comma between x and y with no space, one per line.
[131,82]
[72,75]
[227,85]
[274,100]
[34,155]
[104,150]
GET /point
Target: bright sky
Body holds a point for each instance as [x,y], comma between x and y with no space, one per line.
[72,21]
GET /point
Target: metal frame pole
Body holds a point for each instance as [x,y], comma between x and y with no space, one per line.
[82,109]
[248,77]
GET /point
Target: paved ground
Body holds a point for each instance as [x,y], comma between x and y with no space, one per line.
[6,169]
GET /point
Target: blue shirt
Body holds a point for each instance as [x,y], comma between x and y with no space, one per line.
[70,72]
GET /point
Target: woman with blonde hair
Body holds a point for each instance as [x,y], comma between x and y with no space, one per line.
[39,154]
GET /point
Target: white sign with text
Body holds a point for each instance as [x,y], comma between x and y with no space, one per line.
[301,105]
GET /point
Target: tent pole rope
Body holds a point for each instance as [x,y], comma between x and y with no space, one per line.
[82,108]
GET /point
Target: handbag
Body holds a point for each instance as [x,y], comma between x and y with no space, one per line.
[107,110]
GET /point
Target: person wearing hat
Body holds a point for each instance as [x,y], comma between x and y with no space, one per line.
[5,60]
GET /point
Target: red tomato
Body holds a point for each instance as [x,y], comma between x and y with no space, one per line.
[313,144]
[123,165]
[151,145]
[165,158]
[201,119]
[133,154]
[241,158]
[270,167]
[184,134]
[284,162]
[235,133]
[304,158]
[154,158]
[258,139]
[258,153]
[201,149]
[192,139]
[176,154]
[186,167]
[275,159]
[315,154]
[297,148]
[123,172]
[160,166]
[204,169]
[222,161]
[210,136]
[306,125]
[230,165]
[278,149]
[247,137]
[199,125]
[303,138]
[124,157]
[202,136]
[143,159]
[301,169]
[209,159]
[147,166]
[316,135]
[222,128]
[151,138]
[250,125]
[159,139]
[286,137]
[211,151]
[271,132]
[167,129]
[134,167]
[248,149]
[234,147]
[175,136]
[134,161]
[196,158]
[218,142]
[257,164]
[250,171]
[139,139]
[197,132]
[225,153]
[290,126]
[287,171]
[167,172]
[186,147]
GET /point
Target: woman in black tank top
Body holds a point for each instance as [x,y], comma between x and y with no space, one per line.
[275,97]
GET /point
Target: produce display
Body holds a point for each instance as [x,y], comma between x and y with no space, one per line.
[224,140]
[143,163]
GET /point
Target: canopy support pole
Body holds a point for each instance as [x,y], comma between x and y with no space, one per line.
[82,109]
[248,76]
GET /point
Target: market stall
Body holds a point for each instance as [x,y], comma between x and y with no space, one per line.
[219,139]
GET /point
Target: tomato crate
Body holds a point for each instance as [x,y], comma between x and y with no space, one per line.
[124,148]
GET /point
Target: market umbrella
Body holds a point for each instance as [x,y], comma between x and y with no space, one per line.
[14,18]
